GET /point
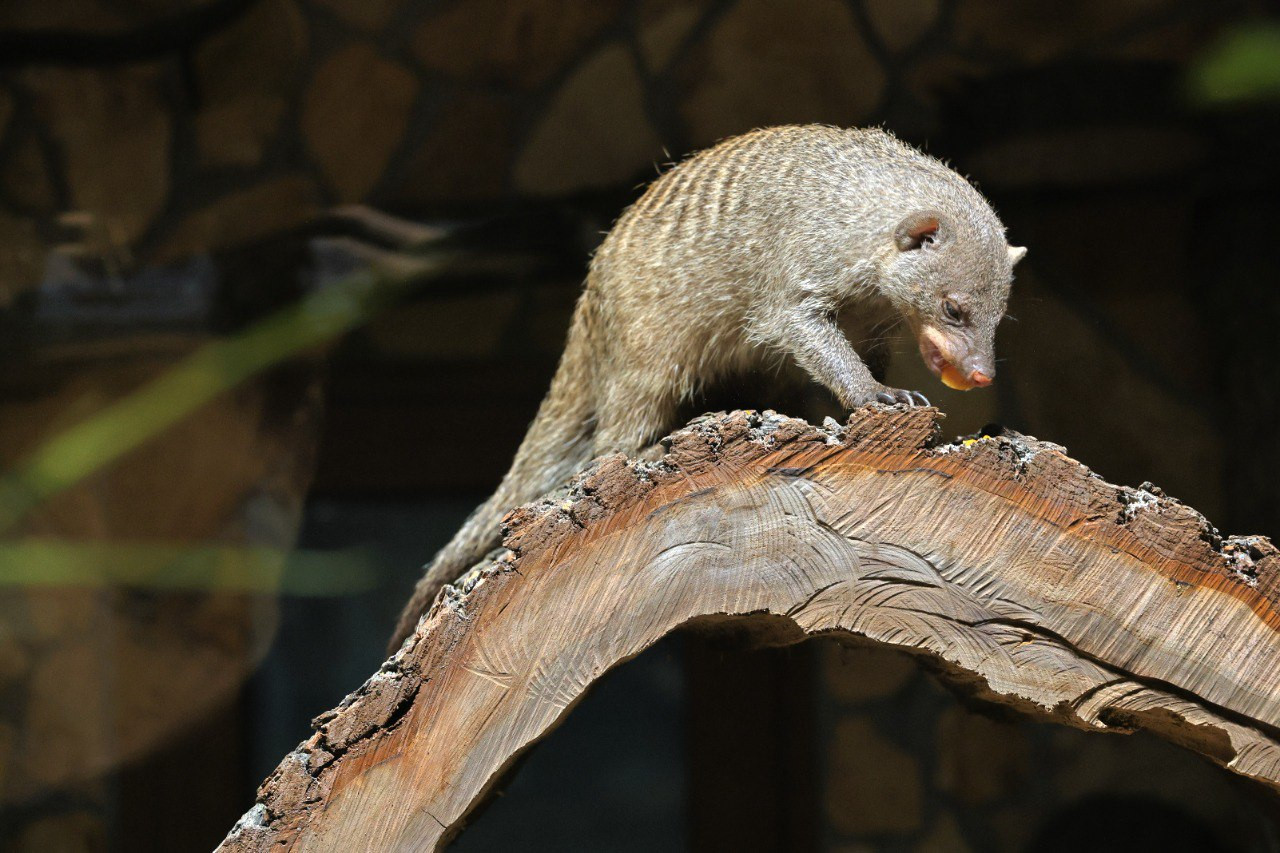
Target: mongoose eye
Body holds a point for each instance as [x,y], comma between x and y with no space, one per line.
[953,311]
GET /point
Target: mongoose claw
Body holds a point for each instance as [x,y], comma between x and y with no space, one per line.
[893,396]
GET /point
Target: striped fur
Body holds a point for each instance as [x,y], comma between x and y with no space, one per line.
[776,245]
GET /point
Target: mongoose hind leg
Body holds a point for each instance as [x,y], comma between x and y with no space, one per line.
[632,419]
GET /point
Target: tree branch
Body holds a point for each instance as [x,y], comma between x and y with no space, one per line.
[1028,580]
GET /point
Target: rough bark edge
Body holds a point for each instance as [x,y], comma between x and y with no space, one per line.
[1171,537]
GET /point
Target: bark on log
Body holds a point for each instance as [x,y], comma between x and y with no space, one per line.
[1031,582]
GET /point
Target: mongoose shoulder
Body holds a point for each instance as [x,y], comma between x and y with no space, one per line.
[778,244]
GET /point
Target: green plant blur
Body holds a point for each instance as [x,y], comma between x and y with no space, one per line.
[1242,67]
[185,566]
[95,443]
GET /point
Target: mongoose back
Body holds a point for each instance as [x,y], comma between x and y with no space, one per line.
[779,244]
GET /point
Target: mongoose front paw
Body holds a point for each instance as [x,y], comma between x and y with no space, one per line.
[892,396]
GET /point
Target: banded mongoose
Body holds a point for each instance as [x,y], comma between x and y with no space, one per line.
[769,245]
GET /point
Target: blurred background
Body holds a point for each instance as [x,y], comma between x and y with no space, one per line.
[228,448]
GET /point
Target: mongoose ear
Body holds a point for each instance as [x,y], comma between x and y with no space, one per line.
[915,231]
[1016,253]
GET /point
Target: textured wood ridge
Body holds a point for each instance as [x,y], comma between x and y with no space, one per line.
[1029,579]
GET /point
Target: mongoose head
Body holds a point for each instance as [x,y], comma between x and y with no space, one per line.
[950,279]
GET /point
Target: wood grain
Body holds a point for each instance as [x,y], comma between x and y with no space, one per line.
[1029,581]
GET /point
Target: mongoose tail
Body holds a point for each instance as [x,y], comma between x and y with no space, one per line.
[558,444]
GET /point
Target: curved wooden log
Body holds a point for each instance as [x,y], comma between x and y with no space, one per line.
[1030,580]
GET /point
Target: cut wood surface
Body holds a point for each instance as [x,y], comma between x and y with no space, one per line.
[1029,580]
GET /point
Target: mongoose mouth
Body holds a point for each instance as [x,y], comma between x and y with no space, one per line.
[937,359]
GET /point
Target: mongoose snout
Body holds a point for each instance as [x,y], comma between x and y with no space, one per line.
[952,359]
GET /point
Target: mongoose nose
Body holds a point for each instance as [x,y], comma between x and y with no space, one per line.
[980,379]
